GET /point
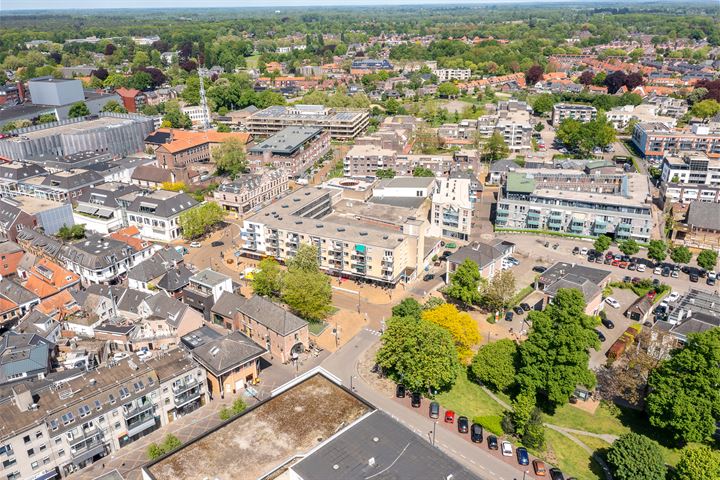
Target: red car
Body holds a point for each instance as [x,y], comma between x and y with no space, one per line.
[651,294]
[449,416]
[623,264]
[615,263]
[609,255]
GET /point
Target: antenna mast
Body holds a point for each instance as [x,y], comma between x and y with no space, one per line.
[203,100]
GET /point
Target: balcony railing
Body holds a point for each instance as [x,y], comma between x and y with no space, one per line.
[185,386]
[134,411]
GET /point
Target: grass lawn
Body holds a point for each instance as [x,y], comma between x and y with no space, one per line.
[316,328]
[570,457]
[467,398]
[593,442]
[252,61]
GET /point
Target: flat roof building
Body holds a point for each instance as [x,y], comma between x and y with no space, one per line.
[294,149]
[342,124]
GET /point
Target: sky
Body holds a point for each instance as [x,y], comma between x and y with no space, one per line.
[85,4]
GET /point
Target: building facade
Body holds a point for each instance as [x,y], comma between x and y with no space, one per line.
[249,191]
[293,150]
[575,111]
[342,124]
[655,140]
[451,214]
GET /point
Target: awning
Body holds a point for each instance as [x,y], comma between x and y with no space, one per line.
[96,450]
[86,209]
[46,476]
[104,213]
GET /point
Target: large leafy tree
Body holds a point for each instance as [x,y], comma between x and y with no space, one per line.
[707,259]
[465,283]
[268,280]
[534,74]
[706,109]
[419,354]
[629,247]
[495,364]
[499,291]
[78,109]
[681,255]
[602,243]
[543,103]
[554,359]
[684,398]
[230,157]
[306,290]
[114,107]
[462,327]
[198,220]
[636,457]
[408,307]
[657,250]
[495,149]
[698,463]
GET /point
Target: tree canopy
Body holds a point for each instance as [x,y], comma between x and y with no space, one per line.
[305,289]
[636,457]
[462,327]
[495,364]
[198,220]
[707,259]
[230,157]
[602,243]
[698,463]
[465,283]
[657,250]
[267,281]
[78,109]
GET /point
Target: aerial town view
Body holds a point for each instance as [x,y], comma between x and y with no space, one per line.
[363,240]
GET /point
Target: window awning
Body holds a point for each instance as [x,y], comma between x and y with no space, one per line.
[87,209]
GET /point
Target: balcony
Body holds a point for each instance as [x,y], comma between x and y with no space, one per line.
[139,409]
[185,386]
[141,424]
[188,396]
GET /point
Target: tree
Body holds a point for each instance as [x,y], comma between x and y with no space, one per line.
[109,49]
[174,186]
[448,90]
[636,457]
[629,247]
[499,291]
[78,109]
[462,327]
[305,289]
[305,260]
[684,398]
[534,74]
[495,364]
[707,259]
[554,359]
[408,307]
[230,157]
[523,406]
[422,172]
[237,407]
[706,109]
[223,128]
[170,443]
[267,281]
[544,104]
[681,254]
[634,80]
[74,232]
[174,117]
[602,243]
[196,221]
[114,107]
[465,283]
[385,173]
[657,250]
[698,463]
[534,436]
[586,78]
[495,149]
[419,354]
[615,81]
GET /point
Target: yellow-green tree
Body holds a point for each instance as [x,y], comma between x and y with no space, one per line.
[462,327]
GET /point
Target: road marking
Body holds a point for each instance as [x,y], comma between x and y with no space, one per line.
[373,332]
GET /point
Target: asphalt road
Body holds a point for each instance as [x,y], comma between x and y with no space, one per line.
[488,465]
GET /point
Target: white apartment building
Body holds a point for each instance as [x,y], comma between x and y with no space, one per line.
[620,117]
[575,111]
[451,214]
[157,215]
[196,113]
[445,74]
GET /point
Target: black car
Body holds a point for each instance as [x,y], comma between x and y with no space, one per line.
[600,335]
[576,250]
[556,474]
[492,442]
[656,281]
[607,323]
[685,269]
[625,258]
[509,316]
[415,400]
[608,261]
[400,391]
[627,279]
[518,310]
[599,259]
[525,307]
[428,277]
[463,424]
[694,277]
[666,271]
[434,410]
[539,269]
[591,258]
[522,456]
[217,243]
[476,433]
[703,273]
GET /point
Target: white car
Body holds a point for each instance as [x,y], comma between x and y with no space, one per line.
[196,245]
[506,448]
[658,270]
[583,251]
[641,267]
[673,297]
[612,302]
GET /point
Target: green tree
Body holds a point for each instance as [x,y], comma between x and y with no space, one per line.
[706,109]
[534,436]
[629,247]
[499,291]
[306,290]
[602,243]
[462,327]
[174,117]
[408,307]
[636,457]
[74,232]
[169,443]
[554,358]
[657,250]
[46,118]
[237,407]
[223,128]
[385,173]
[495,364]
[419,354]
[230,157]
[681,255]
[543,104]
[268,280]
[422,172]
[523,407]
[198,220]
[495,149]
[78,109]
[448,90]
[684,398]
[698,463]
[113,107]
[465,283]
[707,259]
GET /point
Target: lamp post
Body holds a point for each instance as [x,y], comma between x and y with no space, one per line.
[432,432]
[352,386]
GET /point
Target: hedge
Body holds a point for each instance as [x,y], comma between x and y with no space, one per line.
[491,423]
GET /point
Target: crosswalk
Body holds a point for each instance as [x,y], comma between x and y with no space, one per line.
[373,332]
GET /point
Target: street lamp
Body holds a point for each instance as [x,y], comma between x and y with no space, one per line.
[352,387]
[433,432]
[525,474]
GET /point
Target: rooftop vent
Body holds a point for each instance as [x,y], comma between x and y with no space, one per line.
[340,229]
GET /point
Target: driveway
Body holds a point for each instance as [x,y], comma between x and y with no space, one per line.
[626,298]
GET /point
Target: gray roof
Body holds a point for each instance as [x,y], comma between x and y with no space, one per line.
[162,203]
[9,247]
[704,215]
[287,141]
[164,306]
[129,300]
[72,180]
[563,269]
[175,279]
[209,277]
[226,353]
[156,266]
[503,166]
[406,182]
[23,353]
[481,253]
[106,194]
[16,293]
[263,311]
[20,171]
[398,453]
[9,212]
[36,322]
[570,281]
[152,173]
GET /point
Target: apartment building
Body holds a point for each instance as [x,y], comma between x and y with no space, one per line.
[575,202]
[204,289]
[513,124]
[655,140]
[197,113]
[101,208]
[575,111]
[384,244]
[445,74]
[13,174]
[248,191]
[451,215]
[342,124]
[66,423]
[157,214]
[366,160]
[293,149]
[620,117]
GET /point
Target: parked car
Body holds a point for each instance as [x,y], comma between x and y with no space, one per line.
[434,410]
[525,307]
[509,316]
[612,302]
[518,310]
[513,260]
[522,456]
[673,296]
[415,400]
[196,244]
[665,272]
[632,266]
[640,267]
[583,251]
[120,355]
[600,335]
[657,271]
[675,274]
[400,390]
[506,448]
[449,416]
[576,250]
[216,243]
[627,279]
[539,468]
[428,277]
[607,323]
[539,269]
[710,281]
[463,424]
[476,433]
[556,474]
[694,277]
[492,442]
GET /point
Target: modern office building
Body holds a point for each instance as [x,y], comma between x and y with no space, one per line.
[342,124]
[575,111]
[690,177]
[655,140]
[292,149]
[451,215]
[576,203]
